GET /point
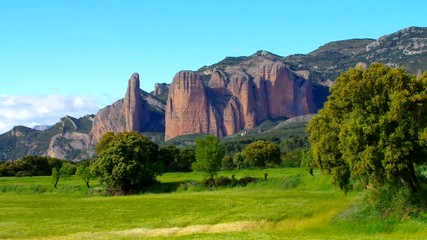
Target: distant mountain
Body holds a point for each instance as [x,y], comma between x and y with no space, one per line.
[232,96]
[406,48]
[67,139]
[41,127]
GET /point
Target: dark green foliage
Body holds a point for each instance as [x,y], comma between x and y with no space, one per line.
[292,158]
[169,155]
[28,166]
[239,161]
[373,129]
[127,161]
[177,159]
[209,154]
[224,181]
[262,154]
[186,158]
[227,163]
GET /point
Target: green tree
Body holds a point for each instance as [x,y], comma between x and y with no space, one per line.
[185,159]
[60,172]
[208,153]
[169,155]
[373,128]
[239,161]
[262,154]
[127,161]
[84,172]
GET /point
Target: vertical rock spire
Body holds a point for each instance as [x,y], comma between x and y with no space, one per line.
[134,109]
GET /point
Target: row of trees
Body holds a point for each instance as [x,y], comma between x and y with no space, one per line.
[33,166]
[129,160]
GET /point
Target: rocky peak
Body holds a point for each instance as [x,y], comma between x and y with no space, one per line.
[160,89]
[135,111]
[408,41]
[128,114]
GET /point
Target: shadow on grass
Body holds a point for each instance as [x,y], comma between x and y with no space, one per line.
[160,187]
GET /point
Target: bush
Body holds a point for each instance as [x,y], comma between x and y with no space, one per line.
[239,161]
[227,163]
[224,181]
[391,201]
[189,185]
[262,154]
[246,180]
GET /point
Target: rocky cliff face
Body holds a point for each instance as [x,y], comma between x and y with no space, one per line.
[133,113]
[68,139]
[235,98]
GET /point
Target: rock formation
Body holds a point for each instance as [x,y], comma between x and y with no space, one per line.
[128,114]
[236,98]
[160,89]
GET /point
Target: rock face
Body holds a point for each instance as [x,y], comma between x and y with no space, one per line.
[135,110]
[160,89]
[65,146]
[129,114]
[235,98]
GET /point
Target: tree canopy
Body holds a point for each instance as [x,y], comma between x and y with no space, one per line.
[209,154]
[127,161]
[373,128]
[262,154]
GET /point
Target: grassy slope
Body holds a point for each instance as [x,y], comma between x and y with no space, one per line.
[290,205]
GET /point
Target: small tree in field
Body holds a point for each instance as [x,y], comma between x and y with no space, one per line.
[209,154]
[85,173]
[58,173]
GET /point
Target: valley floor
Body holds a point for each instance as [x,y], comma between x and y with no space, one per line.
[291,204]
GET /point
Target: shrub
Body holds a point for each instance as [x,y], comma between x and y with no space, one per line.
[227,163]
[246,180]
[222,181]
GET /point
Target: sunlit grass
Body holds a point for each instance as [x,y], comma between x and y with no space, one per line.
[291,204]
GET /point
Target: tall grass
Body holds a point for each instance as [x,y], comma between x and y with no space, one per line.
[291,204]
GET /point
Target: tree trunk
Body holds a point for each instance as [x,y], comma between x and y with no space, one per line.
[56,182]
[213,180]
[413,178]
[86,181]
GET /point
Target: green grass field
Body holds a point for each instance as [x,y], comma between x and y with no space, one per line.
[291,204]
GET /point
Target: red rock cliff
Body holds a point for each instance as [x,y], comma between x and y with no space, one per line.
[235,98]
[128,114]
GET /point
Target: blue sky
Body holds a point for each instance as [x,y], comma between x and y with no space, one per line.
[75,56]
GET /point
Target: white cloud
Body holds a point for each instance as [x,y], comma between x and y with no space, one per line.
[47,109]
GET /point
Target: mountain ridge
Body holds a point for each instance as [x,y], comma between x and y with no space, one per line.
[227,107]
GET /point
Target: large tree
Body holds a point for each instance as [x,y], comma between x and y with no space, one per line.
[209,154]
[127,161]
[373,128]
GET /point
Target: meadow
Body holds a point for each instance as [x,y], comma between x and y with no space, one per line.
[291,204]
